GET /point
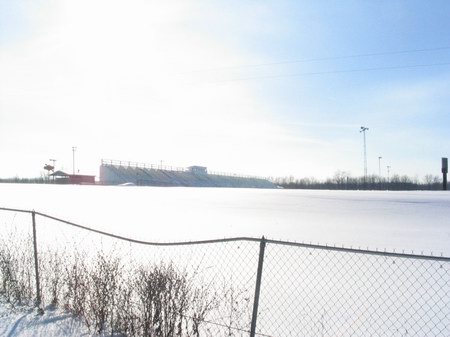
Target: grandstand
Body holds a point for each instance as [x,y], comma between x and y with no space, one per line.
[115,172]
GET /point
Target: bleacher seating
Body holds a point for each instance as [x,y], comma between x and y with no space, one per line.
[113,174]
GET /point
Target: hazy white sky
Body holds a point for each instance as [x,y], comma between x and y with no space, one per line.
[213,83]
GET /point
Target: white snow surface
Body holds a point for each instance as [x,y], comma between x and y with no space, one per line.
[409,221]
[26,322]
[416,220]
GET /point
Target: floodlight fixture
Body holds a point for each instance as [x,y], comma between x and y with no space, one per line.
[379,166]
[53,160]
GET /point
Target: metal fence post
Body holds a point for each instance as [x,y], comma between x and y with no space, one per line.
[36,263]
[262,248]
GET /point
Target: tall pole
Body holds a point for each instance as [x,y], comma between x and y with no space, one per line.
[54,161]
[363,130]
[444,173]
[379,166]
[74,148]
[388,168]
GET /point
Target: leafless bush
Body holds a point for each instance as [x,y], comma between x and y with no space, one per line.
[163,295]
[76,285]
[155,300]
[236,308]
[127,314]
[103,279]
[204,300]
[52,265]
[16,271]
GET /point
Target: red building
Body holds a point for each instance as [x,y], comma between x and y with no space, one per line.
[77,179]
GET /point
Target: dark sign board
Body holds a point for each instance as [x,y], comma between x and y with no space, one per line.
[444,165]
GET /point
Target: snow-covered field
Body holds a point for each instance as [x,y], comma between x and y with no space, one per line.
[418,221]
[409,221]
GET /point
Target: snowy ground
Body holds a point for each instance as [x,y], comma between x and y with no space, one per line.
[26,322]
[414,221]
[389,220]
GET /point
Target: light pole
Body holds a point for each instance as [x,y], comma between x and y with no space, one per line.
[54,161]
[379,166]
[363,130]
[74,148]
[444,173]
[388,168]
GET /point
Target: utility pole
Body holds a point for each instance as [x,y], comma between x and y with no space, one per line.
[74,148]
[363,130]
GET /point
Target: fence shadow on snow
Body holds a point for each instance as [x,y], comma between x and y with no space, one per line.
[229,287]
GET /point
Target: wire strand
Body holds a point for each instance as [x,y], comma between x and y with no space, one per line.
[326,58]
[315,73]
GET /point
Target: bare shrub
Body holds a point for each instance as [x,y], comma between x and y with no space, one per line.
[236,308]
[127,315]
[155,300]
[163,296]
[103,279]
[16,271]
[204,300]
[76,285]
[52,270]
[7,274]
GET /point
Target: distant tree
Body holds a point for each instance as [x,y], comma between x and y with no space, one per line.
[343,180]
[432,182]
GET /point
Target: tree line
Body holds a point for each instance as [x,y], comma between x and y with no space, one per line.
[18,180]
[343,180]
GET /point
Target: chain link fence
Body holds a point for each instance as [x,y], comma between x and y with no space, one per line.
[229,287]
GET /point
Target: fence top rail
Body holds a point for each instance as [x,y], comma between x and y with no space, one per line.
[16,210]
[243,238]
[360,251]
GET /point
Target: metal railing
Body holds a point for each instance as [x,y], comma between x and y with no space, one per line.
[228,287]
[123,163]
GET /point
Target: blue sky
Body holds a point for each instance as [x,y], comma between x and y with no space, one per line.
[271,88]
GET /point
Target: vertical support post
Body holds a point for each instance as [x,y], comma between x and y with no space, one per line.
[363,130]
[444,173]
[262,248]
[36,263]
[74,148]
